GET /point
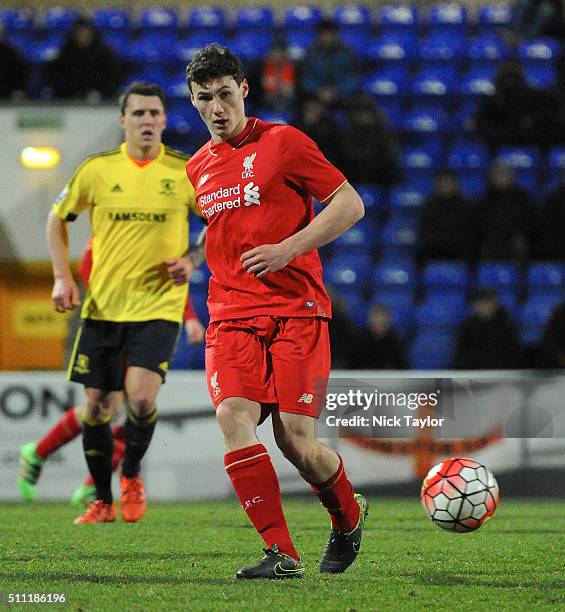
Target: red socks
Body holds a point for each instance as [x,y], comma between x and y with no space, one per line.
[119,450]
[66,429]
[336,495]
[257,486]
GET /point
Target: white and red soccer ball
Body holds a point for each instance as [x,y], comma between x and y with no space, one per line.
[459,494]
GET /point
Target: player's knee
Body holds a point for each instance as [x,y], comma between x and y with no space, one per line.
[233,419]
[141,405]
[295,448]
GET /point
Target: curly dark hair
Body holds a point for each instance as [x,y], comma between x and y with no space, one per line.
[214,62]
[143,89]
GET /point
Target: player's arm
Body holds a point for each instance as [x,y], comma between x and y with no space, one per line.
[181,268]
[343,208]
[193,328]
[65,294]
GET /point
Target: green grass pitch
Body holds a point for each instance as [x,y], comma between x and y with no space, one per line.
[183,557]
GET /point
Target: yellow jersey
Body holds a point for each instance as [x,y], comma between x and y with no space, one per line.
[139,218]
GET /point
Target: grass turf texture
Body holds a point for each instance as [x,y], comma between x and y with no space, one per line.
[183,557]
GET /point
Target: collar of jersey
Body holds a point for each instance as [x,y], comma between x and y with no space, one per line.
[123,148]
[237,141]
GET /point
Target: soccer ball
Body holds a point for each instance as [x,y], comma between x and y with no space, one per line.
[459,494]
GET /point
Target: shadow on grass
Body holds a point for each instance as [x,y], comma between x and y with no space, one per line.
[121,556]
[74,577]
[443,579]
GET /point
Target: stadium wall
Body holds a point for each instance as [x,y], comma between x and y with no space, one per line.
[185,460]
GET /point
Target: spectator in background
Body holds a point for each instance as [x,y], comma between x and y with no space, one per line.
[505,217]
[517,113]
[14,70]
[487,339]
[552,348]
[370,146]
[317,121]
[86,68]
[378,347]
[535,18]
[278,79]
[446,223]
[329,69]
[341,331]
[552,223]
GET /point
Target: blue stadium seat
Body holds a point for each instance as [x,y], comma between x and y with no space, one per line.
[434,83]
[468,156]
[393,108]
[399,239]
[356,305]
[159,18]
[358,40]
[539,50]
[187,356]
[59,18]
[441,48]
[401,306]
[176,88]
[534,314]
[395,277]
[406,200]
[45,51]
[253,18]
[472,184]
[348,270]
[360,238]
[441,310]
[542,77]
[446,277]
[396,18]
[372,197]
[301,18]
[432,350]
[111,19]
[390,82]
[151,74]
[119,41]
[487,47]
[462,121]
[394,47]
[352,15]
[503,276]
[298,42]
[527,163]
[547,278]
[186,48]
[207,19]
[199,279]
[18,20]
[448,17]
[252,46]
[425,121]
[154,47]
[419,161]
[478,82]
[556,158]
[494,16]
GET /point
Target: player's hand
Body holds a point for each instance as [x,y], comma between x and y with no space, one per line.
[266,258]
[65,295]
[180,269]
[194,331]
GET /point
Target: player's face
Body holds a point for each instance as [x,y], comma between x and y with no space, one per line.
[143,120]
[221,107]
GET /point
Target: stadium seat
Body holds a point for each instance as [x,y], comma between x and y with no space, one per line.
[159,18]
[352,15]
[503,276]
[187,356]
[301,18]
[472,184]
[356,305]
[397,18]
[395,277]
[186,48]
[440,48]
[441,310]
[348,271]
[399,239]
[372,197]
[539,50]
[44,51]
[406,200]
[546,278]
[59,18]
[360,238]
[434,84]
[111,19]
[18,20]
[151,74]
[446,277]
[494,16]
[210,20]
[119,41]
[388,82]
[556,158]
[478,82]
[534,314]
[419,161]
[527,163]
[154,47]
[432,350]
[358,40]
[298,42]
[541,77]
[253,19]
[394,47]
[462,121]
[468,156]
[199,279]
[252,46]
[448,17]
[485,48]
[425,121]
[400,305]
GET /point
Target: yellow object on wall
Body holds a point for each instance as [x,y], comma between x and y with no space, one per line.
[37,319]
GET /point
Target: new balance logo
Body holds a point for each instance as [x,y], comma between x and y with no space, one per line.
[203,179]
[251,194]
[117,188]
[306,398]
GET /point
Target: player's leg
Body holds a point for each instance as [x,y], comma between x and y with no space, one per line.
[34,454]
[301,363]
[238,379]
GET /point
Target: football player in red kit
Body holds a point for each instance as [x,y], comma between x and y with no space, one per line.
[267,346]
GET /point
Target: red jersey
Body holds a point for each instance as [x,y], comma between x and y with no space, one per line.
[257,189]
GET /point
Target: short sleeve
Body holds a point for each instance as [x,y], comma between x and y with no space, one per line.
[306,166]
[76,195]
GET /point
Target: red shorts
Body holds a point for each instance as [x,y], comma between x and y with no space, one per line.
[271,360]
